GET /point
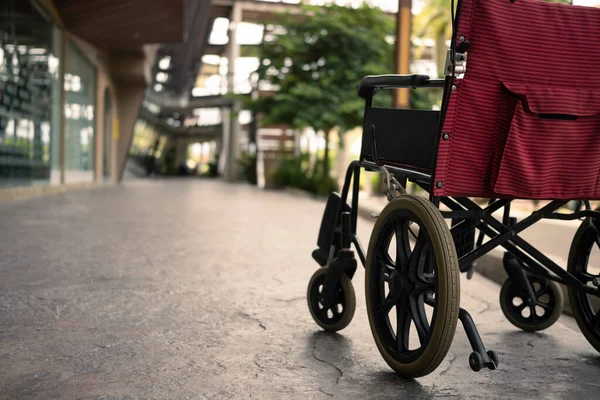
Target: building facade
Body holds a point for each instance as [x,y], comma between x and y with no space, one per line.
[71,88]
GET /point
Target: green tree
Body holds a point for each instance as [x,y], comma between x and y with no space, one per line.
[434,21]
[317,61]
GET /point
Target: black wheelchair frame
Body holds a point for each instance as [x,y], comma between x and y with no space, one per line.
[502,233]
[339,225]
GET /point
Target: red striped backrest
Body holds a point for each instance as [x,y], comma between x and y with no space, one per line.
[525,119]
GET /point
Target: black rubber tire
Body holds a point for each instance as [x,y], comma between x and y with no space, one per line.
[448,286]
[494,357]
[475,362]
[573,267]
[349,303]
[549,320]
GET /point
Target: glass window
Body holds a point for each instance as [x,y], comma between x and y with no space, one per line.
[80,87]
[29,66]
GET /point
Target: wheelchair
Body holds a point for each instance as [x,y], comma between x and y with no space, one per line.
[519,120]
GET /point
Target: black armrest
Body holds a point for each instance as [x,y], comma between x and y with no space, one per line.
[372,82]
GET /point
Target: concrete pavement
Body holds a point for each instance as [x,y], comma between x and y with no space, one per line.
[196,289]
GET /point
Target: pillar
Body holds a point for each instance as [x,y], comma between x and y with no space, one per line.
[403,45]
[129,97]
[100,122]
[233,53]
[181,152]
[223,144]
[63,100]
[129,74]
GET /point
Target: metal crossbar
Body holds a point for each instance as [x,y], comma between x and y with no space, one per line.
[500,233]
[507,236]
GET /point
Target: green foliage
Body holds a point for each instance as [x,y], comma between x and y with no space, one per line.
[247,168]
[375,181]
[294,172]
[211,172]
[318,62]
[169,167]
[425,99]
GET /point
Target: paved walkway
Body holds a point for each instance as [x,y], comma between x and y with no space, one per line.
[196,289]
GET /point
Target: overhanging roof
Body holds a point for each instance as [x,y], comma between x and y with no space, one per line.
[124,24]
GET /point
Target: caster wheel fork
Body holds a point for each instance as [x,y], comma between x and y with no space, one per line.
[480,357]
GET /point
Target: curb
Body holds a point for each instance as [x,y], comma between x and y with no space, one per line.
[29,192]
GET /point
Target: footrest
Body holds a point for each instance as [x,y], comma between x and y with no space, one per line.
[328,234]
[319,256]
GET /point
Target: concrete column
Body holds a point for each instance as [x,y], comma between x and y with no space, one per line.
[200,157]
[403,44]
[181,151]
[212,152]
[297,143]
[129,98]
[129,74]
[234,143]
[223,146]
[100,129]
[63,100]
[233,53]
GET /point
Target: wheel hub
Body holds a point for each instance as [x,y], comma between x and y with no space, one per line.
[399,283]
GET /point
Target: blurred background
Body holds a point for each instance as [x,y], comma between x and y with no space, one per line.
[262,91]
[255,90]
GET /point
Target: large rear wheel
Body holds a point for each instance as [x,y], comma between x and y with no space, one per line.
[584,264]
[412,286]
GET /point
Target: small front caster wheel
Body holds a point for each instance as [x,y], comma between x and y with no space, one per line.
[545,310]
[493,358]
[475,362]
[335,316]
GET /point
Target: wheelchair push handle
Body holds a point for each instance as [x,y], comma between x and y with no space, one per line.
[370,83]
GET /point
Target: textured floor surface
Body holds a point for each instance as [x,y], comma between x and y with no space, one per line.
[196,289]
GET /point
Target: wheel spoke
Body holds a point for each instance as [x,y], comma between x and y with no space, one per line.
[387,304]
[413,234]
[383,254]
[402,247]
[419,317]
[596,320]
[424,278]
[383,278]
[543,305]
[381,261]
[521,307]
[532,313]
[597,239]
[422,284]
[402,328]
[542,291]
[415,257]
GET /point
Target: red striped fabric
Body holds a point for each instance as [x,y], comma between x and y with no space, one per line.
[525,120]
